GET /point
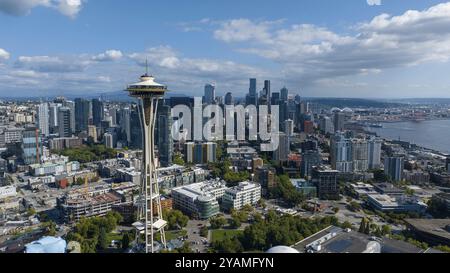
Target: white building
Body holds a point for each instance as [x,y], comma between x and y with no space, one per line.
[200,199]
[245,194]
[43,119]
[8,191]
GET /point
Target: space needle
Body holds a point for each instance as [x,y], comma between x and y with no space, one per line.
[150,218]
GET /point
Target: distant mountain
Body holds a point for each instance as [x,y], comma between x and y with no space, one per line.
[353,103]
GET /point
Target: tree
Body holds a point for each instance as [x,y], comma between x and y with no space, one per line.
[125,241]
[346,225]
[335,209]
[235,223]
[217,222]
[178,160]
[354,206]
[31,212]
[176,219]
[204,231]
[102,243]
[386,230]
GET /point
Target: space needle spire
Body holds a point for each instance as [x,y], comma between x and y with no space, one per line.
[150,220]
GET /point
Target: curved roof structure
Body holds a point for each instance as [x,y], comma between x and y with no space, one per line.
[282,250]
[47,245]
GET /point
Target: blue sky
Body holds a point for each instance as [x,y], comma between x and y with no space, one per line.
[391,49]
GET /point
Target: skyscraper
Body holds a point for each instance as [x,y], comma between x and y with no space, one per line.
[341,153]
[229,99]
[53,118]
[339,121]
[136,129]
[326,125]
[360,155]
[393,167]
[210,94]
[125,124]
[97,112]
[252,89]
[82,109]
[284,149]
[374,150]
[64,122]
[252,98]
[71,106]
[43,119]
[266,90]
[284,94]
[165,140]
[31,146]
[310,159]
[447,164]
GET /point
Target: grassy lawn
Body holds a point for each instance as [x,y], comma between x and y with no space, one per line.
[220,234]
[114,236]
[170,235]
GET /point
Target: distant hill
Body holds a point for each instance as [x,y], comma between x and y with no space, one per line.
[353,103]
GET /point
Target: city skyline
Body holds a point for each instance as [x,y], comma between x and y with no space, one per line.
[354,49]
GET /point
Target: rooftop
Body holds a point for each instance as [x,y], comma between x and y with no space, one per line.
[437,227]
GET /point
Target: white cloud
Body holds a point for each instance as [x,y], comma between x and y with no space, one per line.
[52,64]
[68,8]
[374,2]
[192,73]
[308,53]
[242,30]
[4,55]
[109,55]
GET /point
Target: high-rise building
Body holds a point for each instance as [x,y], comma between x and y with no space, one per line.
[165,140]
[252,98]
[284,94]
[447,164]
[210,94]
[339,121]
[97,112]
[31,146]
[125,124]
[360,155]
[71,106]
[284,148]
[82,110]
[136,129]
[43,119]
[310,159]
[326,125]
[108,140]
[393,167]
[53,118]
[289,127]
[326,182]
[266,90]
[64,122]
[341,153]
[374,150]
[229,99]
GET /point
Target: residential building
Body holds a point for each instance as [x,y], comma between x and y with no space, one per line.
[245,193]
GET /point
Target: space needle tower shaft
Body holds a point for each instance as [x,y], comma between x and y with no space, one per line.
[150,213]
